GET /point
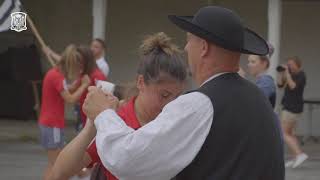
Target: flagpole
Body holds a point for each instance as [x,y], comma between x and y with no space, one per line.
[39,38]
[52,63]
[35,83]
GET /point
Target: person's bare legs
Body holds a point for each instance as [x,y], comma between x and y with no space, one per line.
[290,138]
[52,156]
[293,144]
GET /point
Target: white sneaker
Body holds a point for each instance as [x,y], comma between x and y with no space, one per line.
[299,160]
[289,163]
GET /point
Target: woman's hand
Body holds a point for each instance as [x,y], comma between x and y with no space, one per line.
[85,80]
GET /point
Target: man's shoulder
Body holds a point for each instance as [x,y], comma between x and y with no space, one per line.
[192,98]
[302,74]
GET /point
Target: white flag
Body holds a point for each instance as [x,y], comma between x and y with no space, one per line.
[6,9]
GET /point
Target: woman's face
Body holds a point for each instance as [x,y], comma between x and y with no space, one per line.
[97,49]
[255,65]
[155,96]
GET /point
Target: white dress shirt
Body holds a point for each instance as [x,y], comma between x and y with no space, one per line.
[103,66]
[160,149]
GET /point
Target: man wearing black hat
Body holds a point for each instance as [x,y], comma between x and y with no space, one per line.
[224,130]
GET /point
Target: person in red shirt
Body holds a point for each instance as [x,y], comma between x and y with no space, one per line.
[74,64]
[95,74]
[161,77]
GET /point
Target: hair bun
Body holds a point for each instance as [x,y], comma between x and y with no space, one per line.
[158,41]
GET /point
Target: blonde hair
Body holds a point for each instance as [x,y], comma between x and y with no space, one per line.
[70,62]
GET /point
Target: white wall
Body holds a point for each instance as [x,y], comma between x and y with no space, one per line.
[129,21]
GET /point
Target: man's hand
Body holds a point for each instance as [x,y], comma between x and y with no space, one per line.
[286,73]
[97,101]
[289,79]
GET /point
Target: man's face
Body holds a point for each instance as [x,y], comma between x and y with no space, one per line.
[193,49]
[97,49]
[293,67]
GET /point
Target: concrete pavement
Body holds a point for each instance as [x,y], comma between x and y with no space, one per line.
[22,158]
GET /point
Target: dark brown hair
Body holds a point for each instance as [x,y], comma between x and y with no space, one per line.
[87,58]
[103,44]
[161,60]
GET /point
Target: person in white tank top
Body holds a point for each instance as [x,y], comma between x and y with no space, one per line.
[98,48]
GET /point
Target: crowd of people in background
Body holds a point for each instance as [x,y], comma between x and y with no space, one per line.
[161,77]
[77,68]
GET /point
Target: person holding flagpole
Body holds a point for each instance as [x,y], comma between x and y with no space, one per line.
[95,75]
[72,66]
[97,47]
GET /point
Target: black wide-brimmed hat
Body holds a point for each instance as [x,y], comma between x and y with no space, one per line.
[224,28]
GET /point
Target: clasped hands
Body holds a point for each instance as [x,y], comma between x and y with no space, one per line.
[97,101]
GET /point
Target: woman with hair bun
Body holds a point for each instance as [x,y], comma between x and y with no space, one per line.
[161,77]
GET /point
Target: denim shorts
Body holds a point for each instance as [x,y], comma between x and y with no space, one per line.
[51,137]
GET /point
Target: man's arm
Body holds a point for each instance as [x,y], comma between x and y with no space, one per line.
[290,82]
[161,148]
[281,80]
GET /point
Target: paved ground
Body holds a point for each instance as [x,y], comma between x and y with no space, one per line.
[310,170]
[22,157]
[21,161]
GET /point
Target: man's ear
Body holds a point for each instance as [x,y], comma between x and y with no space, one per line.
[140,83]
[204,48]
